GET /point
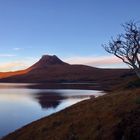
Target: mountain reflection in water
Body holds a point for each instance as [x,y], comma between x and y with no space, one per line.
[49,99]
[53,99]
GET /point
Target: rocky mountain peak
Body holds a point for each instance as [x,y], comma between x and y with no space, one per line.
[48,60]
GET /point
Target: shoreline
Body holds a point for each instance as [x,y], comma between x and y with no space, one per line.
[95,112]
[42,99]
[117,92]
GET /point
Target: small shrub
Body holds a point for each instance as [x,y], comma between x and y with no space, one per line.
[134,84]
[137,100]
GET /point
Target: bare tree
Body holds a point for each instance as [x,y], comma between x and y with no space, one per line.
[127,46]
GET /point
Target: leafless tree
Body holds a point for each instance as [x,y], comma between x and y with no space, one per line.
[127,46]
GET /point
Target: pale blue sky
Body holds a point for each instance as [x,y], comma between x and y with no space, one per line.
[66,28]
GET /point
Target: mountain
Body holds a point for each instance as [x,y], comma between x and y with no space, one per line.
[46,61]
[52,69]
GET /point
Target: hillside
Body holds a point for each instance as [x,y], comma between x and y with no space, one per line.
[52,69]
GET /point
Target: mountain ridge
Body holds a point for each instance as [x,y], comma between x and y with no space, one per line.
[52,69]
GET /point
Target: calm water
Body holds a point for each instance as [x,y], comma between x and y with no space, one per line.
[20,105]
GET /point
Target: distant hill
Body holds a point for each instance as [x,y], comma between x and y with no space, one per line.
[52,69]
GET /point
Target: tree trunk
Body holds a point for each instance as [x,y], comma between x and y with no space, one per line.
[137,71]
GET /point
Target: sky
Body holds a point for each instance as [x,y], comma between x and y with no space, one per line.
[74,30]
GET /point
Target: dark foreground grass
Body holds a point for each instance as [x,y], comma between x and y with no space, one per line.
[113,116]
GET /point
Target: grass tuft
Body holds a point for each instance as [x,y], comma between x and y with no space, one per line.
[137,100]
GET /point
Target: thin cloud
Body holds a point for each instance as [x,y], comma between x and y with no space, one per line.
[17,65]
[7,55]
[11,66]
[97,61]
[16,48]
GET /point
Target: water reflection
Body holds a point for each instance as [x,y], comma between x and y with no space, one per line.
[52,98]
[49,99]
[20,104]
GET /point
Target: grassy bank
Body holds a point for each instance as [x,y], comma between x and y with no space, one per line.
[113,116]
